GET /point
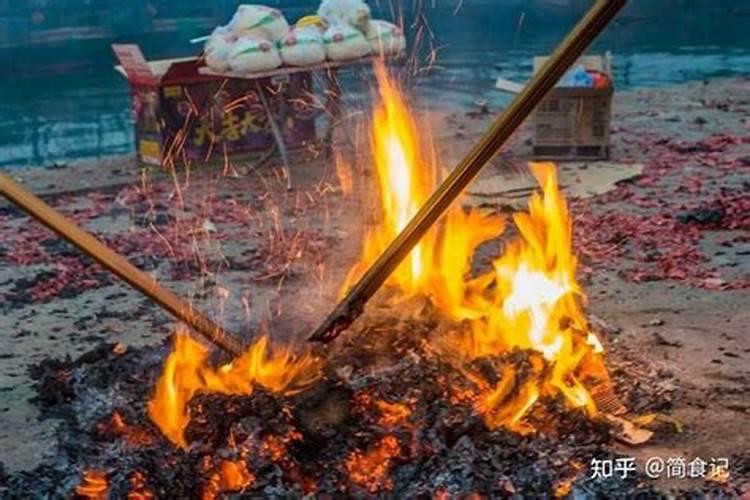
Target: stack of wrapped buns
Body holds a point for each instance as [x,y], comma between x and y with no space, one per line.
[258,38]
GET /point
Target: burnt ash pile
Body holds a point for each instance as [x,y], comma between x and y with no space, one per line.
[389,418]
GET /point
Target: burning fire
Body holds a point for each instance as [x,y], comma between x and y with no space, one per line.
[188,372]
[529,300]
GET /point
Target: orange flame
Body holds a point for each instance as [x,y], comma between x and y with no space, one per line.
[536,305]
[404,183]
[529,300]
[187,372]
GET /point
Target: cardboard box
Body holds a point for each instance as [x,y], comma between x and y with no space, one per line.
[182,115]
[573,123]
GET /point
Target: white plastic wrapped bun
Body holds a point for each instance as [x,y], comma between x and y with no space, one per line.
[302,47]
[220,36]
[217,49]
[259,21]
[354,13]
[253,54]
[386,39]
[345,42]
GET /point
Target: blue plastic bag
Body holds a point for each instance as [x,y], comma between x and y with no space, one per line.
[578,77]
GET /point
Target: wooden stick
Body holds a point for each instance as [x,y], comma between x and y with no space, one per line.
[119,265]
[571,48]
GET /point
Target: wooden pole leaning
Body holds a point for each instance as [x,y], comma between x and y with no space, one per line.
[119,265]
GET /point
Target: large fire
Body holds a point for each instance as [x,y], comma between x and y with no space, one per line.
[529,300]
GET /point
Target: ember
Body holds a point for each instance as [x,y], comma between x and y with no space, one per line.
[93,485]
[389,415]
[138,489]
[117,427]
[275,447]
[230,476]
[392,414]
[371,469]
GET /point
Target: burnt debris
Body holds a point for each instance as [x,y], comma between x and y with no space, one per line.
[390,419]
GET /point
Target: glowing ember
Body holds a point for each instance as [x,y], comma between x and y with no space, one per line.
[392,414]
[372,468]
[138,489]
[529,300]
[187,372]
[133,435]
[229,476]
[93,485]
[275,446]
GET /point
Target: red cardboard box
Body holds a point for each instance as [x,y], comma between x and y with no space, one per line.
[181,115]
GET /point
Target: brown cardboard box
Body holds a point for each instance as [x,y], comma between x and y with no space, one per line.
[573,123]
[183,115]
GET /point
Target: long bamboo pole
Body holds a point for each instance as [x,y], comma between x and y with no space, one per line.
[571,48]
[118,265]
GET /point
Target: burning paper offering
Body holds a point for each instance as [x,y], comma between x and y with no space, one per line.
[353,268]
